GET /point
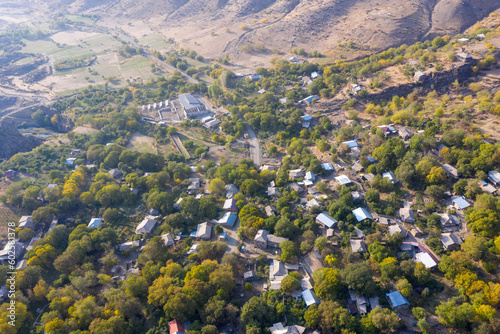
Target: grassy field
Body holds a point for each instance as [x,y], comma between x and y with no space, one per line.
[6,216]
[154,41]
[141,143]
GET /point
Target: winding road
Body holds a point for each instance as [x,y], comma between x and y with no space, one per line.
[255,145]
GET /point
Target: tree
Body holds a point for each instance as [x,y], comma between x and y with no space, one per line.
[378,252]
[250,187]
[389,269]
[257,313]
[404,287]
[485,222]
[456,263]
[454,315]
[216,186]
[358,277]
[475,247]
[288,251]
[372,196]
[290,284]
[321,243]
[384,319]
[312,316]
[328,284]
[285,228]
[336,319]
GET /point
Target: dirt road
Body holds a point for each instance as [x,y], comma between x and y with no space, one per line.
[255,145]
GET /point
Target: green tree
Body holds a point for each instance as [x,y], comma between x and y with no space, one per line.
[359,278]
[385,320]
[328,283]
[289,251]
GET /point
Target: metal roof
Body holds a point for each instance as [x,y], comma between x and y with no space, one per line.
[229,218]
[425,259]
[494,176]
[362,214]
[95,222]
[351,143]
[461,202]
[326,220]
[188,101]
[397,299]
[342,179]
[308,297]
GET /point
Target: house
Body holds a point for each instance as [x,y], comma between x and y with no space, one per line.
[255,77]
[309,297]
[386,220]
[195,184]
[293,60]
[460,203]
[390,176]
[426,260]
[128,245]
[420,76]
[95,222]
[306,80]
[406,215]
[463,57]
[75,151]
[350,143]
[153,212]
[168,239]
[310,176]
[270,211]
[451,171]
[230,204]
[312,203]
[324,219]
[448,220]
[327,167]
[387,129]
[70,161]
[416,232]
[278,328]
[10,174]
[193,249]
[260,239]
[494,177]
[357,246]
[6,253]
[176,327]
[397,301]
[311,98]
[277,272]
[115,173]
[296,173]
[294,186]
[231,190]
[191,106]
[368,177]
[147,225]
[272,191]
[228,219]
[343,180]
[177,205]
[26,222]
[212,124]
[204,231]
[487,188]
[357,167]
[373,302]
[362,214]
[395,229]
[361,302]
[356,152]
[315,75]
[261,91]
[330,233]
[274,241]
[450,241]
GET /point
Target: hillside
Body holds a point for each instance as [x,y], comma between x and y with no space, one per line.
[213,27]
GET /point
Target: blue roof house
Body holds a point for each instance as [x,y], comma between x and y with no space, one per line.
[228,219]
[95,222]
[461,203]
[397,300]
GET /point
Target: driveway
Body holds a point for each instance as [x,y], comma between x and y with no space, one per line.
[254,146]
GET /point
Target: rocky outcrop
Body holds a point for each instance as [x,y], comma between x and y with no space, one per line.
[436,80]
[12,141]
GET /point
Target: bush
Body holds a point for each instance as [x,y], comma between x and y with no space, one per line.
[248,286]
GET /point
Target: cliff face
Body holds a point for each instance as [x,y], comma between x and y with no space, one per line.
[12,141]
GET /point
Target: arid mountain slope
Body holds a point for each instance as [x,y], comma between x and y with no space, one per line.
[215,26]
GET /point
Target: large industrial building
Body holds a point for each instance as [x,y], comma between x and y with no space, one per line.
[192,107]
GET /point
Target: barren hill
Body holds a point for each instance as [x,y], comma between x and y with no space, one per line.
[213,27]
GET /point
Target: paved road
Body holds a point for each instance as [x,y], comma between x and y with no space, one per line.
[255,145]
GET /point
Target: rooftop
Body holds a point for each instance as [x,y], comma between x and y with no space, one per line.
[326,220]
[188,101]
[361,214]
